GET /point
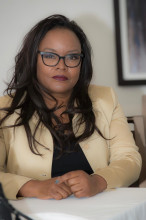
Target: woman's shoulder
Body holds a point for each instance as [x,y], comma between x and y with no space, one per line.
[5,101]
[102,92]
[103,95]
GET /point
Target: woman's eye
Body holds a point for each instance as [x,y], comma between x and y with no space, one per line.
[49,56]
[73,57]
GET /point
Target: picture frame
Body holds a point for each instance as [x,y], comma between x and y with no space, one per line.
[130,33]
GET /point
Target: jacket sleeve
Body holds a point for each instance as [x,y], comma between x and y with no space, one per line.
[11,183]
[124,159]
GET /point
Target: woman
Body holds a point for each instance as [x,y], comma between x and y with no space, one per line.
[59,136]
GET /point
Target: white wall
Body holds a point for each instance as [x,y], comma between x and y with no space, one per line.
[97,20]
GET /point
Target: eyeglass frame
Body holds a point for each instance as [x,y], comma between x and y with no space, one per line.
[61,57]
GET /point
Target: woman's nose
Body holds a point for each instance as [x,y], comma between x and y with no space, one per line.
[61,63]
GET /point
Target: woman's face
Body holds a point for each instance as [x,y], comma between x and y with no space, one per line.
[59,79]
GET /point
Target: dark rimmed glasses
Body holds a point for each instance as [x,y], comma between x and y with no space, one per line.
[52,59]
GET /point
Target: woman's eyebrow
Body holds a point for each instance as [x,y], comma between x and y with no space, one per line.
[74,51]
[55,51]
[49,49]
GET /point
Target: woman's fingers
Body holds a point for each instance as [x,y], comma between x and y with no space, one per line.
[52,189]
[66,188]
[83,184]
[76,188]
[71,178]
[77,182]
[63,191]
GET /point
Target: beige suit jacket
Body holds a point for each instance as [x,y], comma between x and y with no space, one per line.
[117,160]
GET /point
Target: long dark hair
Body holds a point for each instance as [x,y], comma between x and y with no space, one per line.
[26,91]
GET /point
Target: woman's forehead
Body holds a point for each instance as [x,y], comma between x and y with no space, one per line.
[60,37]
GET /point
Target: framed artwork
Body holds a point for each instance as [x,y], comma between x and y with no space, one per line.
[130,30]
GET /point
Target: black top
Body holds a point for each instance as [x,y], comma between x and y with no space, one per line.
[70,161]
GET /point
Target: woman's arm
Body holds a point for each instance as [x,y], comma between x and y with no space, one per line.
[125,161]
[11,183]
[15,186]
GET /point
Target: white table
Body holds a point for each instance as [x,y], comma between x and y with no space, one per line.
[118,204]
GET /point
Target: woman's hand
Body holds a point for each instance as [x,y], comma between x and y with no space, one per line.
[83,184]
[46,189]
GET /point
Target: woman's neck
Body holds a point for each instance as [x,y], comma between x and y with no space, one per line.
[62,102]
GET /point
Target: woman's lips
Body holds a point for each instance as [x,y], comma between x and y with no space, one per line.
[60,78]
